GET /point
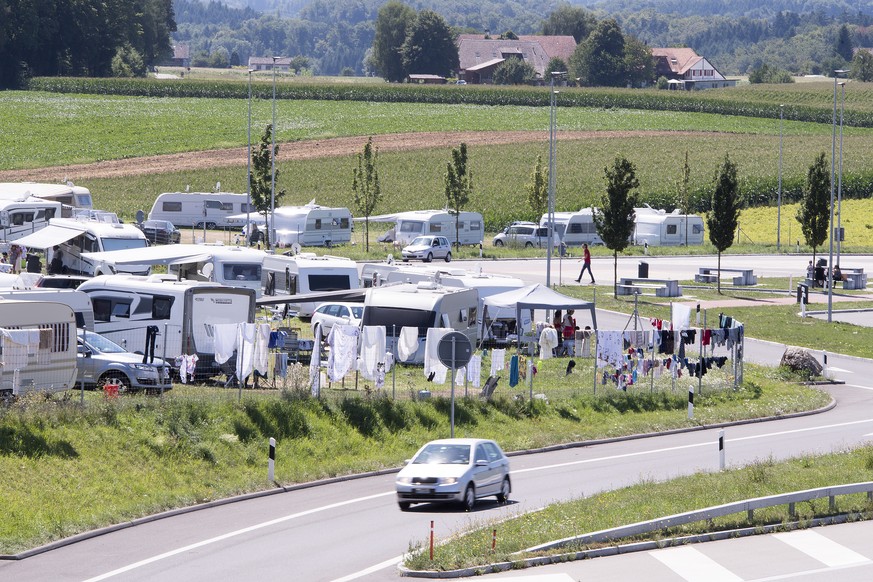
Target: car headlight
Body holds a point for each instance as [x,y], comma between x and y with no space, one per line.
[404,480]
[143,367]
[448,480]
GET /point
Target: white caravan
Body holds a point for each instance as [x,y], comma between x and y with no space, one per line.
[310,225]
[89,232]
[308,273]
[660,228]
[575,228]
[183,312]
[408,225]
[23,215]
[198,208]
[500,324]
[78,301]
[422,305]
[37,346]
[66,194]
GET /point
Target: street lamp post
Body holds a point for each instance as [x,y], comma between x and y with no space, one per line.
[553,100]
[830,266]
[840,179]
[271,226]
[249,163]
[779,195]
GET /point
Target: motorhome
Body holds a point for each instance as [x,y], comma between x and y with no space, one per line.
[182,314]
[231,266]
[501,324]
[308,273]
[196,209]
[23,215]
[662,228]
[423,305]
[37,346]
[89,232]
[65,194]
[78,301]
[408,225]
[309,225]
[575,228]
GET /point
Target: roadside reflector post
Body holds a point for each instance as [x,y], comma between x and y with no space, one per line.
[431,540]
[493,540]
[691,402]
[721,449]
[271,464]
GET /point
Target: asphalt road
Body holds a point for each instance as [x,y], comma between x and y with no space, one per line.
[353,530]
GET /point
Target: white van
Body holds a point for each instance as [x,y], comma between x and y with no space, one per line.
[309,225]
[660,228]
[65,194]
[198,208]
[422,305]
[90,231]
[78,301]
[308,273]
[408,225]
[575,228]
[37,347]
[20,216]
[183,312]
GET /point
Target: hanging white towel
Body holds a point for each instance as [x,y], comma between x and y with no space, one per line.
[474,370]
[681,315]
[548,342]
[372,350]
[225,335]
[15,348]
[343,342]
[262,348]
[315,365]
[432,364]
[245,351]
[407,343]
[609,348]
[497,361]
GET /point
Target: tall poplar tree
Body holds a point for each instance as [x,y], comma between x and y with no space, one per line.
[814,210]
[615,219]
[365,186]
[459,186]
[725,214]
[538,189]
[262,179]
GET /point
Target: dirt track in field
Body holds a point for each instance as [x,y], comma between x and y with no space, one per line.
[301,150]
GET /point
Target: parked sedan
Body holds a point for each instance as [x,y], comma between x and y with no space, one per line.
[454,470]
[160,232]
[102,361]
[428,248]
[327,315]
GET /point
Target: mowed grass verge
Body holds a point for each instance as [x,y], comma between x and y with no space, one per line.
[70,468]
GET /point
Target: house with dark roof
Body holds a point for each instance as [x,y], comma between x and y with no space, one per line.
[685,69]
[479,56]
[267,63]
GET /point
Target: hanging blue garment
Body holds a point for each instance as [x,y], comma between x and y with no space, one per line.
[513,371]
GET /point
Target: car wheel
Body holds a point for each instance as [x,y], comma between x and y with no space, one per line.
[112,377]
[448,257]
[469,501]
[405,260]
[428,258]
[528,245]
[498,243]
[404,505]
[505,489]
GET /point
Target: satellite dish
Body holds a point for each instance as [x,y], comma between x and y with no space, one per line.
[295,248]
[140,216]
[390,259]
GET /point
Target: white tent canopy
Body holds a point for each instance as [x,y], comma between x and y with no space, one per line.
[535,297]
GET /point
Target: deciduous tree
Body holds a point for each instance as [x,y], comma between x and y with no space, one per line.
[599,60]
[392,24]
[365,186]
[814,211]
[514,71]
[459,186]
[429,47]
[262,180]
[725,214]
[569,20]
[615,218]
[538,189]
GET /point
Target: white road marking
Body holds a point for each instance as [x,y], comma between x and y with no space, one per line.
[859,386]
[694,566]
[821,548]
[232,534]
[371,569]
[794,576]
[534,578]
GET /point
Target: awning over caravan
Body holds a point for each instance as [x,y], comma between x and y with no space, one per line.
[378,218]
[47,237]
[351,295]
[157,255]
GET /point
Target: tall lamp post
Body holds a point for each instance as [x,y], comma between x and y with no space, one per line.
[552,178]
[779,194]
[830,266]
[271,226]
[840,179]
[249,162]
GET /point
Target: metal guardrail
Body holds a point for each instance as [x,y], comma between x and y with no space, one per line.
[748,505]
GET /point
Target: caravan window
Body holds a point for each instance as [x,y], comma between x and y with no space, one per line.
[329,282]
[19,218]
[671,229]
[102,309]
[317,224]
[344,223]
[399,318]
[475,225]
[696,228]
[161,307]
[246,207]
[436,227]
[121,310]
[227,206]
[411,226]
[172,207]
[242,272]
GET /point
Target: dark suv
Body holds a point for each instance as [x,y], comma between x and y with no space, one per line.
[160,232]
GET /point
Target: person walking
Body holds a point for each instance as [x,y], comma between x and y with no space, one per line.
[586,264]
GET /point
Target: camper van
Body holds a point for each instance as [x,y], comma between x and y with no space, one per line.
[308,273]
[231,266]
[575,228]
[408,225]
[37,346]
[78,301]
[197,209]
[500,325]
[89,231]
[660,228]
[423,305]
[310,225]
[65,194]
[183,312]
[20,216]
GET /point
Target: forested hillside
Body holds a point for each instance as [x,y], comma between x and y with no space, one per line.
[798,36]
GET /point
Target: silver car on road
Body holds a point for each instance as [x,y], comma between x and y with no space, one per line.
[454,471]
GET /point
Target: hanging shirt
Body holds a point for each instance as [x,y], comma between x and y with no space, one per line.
[497,360]
[474,370]
[548,342]
[372,350]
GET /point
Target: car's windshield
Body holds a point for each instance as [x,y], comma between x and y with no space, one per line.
[118,244]
[442,454]
[421,240]
[99,343]
[357,311]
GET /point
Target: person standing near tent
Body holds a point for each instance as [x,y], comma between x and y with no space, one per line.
[586,264]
